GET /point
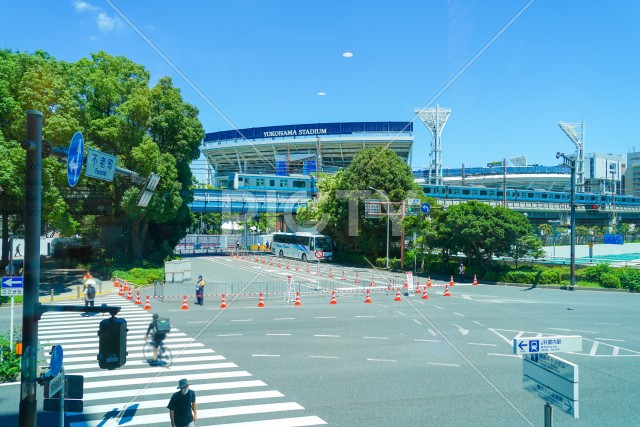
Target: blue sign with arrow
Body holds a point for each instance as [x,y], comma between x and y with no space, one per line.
[425,207]
[56,360]
[12,286]
[75,157]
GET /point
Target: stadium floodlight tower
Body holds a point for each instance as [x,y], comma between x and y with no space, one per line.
[434,119]
[575,132]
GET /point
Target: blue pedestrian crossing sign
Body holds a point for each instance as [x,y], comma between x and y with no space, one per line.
[75,157]
[12,286]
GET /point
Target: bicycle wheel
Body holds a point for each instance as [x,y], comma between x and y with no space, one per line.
[147,351]
[164,355]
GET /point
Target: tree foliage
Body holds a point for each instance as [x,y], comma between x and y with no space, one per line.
[109,99]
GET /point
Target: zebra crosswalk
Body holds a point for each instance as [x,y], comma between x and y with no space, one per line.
[137,394]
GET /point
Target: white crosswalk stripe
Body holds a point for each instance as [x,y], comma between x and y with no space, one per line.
[137,394]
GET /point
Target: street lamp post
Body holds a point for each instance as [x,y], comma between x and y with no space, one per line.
[386,197]
[613,198]
[570,162]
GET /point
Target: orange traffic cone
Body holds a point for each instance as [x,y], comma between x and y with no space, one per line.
[257,260]
[475,280]
[446,291]
[357,281]
[397,298]
[271,261]
[297,267]
[288,268]
[261,301]
[223,303]
[297,303]
[429,282]
[424,294]
[367,300]
[308,270]
[147,304]
[417,287]
[116,282]
[333,298]
[137,301]
[451,282]
[343,276]
[389,285]
[330,272]
[121,290]
[129,296]
[279,265]
[373,283]
[185,306]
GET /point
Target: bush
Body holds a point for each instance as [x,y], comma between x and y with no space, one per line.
[491,276]
[520,277]
[9,362]
[550,277]
[140,276]
[609,280]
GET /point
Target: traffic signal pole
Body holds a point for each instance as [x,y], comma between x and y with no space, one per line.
[32,215]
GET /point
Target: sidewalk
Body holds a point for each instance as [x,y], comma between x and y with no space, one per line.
[66,284]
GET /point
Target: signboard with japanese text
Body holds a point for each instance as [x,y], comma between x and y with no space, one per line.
[100,165]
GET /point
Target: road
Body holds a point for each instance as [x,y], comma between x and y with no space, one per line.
[437,361]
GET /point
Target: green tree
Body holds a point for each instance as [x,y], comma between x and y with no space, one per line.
[479,231]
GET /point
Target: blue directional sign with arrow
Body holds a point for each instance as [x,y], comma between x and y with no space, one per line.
[425,207]
[75,157]
[12,285]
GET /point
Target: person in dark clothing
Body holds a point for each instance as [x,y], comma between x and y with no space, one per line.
[200,291]
[18,250]
[182,406]
[156,336]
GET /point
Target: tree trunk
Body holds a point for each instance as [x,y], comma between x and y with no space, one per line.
[5,240]
[138,234]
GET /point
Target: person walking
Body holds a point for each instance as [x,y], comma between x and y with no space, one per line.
[200,291]
[18,250]
[182,406]
[89,295]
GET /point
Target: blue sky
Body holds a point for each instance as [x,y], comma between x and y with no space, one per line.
[263,62]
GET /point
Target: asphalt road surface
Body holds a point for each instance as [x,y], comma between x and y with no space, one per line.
[442,361]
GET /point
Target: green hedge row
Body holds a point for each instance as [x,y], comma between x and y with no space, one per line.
[140,276]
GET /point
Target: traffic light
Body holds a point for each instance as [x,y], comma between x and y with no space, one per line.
[112,347]
[592,209]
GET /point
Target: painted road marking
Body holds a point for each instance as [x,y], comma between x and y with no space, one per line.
[479,324]
[419,340]
[375,338]
[278,335]
[458,314]
[323,357]
[327,336]
[382,360]
[481,343]
[443,364]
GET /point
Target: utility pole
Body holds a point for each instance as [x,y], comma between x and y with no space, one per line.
[33,210]
[570,162]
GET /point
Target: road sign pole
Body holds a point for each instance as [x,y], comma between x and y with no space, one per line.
[11,325]
[62,399]
[33,211]
[548,415]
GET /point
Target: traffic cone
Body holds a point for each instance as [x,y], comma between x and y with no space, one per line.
[429,282]
[372,282]
[185,306]
[223,303]
[116,282]
[308,269]
[297,267]
[288,268]
[446,291]
[126,286]
[389,285]
[333,298]
[271,261]
[147,304]
[367,300]
[475,280]
[297,303]
[451,282]
[261,301]
[137,301]
[357,281]
[257,260]
[417,288]
[121,290]
[424,294]
[343,276]
[398,297]
[330,272]
[279,265]
[129,296]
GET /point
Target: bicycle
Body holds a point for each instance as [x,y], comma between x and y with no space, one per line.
[164,354]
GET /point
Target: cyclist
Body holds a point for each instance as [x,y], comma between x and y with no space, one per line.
[156,336]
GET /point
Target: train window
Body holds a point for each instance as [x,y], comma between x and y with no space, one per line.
[483,192]
[298,184]
[544,195]
[427,191]
[272,183]
[259,182]
[530,195]
[284,183]
[247,182]
[240,178]
[500,193]
[466,192]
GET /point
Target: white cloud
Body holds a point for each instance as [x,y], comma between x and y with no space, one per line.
[321,93]
[347,54]
[105,22]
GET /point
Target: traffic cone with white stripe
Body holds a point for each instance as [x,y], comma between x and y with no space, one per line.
[417,288]
[297,303]
[429,282]
[121,290]
[129,295]
[137,301]
[297,267]
[307,270]
[223,303]
[451,282]
[424,293]
[185,306]
[330,273]
[279,265]
[288,268]
[389,285]
[116,282]
[271,261]
[333,298]
[398,297]
[446,291]
[147,304]
[367,299]
[357,281]
[475,280]
[373,283]
[261,301]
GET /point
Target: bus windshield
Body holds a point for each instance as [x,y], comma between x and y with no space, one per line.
[323,243]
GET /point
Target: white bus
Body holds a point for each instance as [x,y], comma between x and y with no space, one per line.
[302,246]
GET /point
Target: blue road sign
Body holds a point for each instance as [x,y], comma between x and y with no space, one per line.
[425,207]
[12,282]
[56,360]
[75,157]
